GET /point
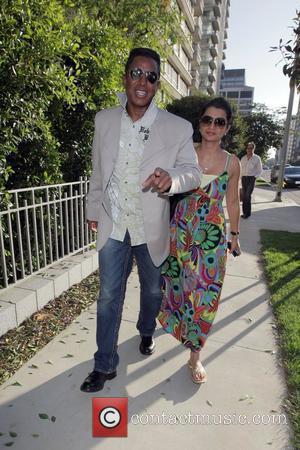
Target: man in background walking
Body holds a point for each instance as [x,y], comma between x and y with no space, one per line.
[251,169]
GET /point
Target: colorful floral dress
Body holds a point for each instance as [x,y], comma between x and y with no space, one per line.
[193,273]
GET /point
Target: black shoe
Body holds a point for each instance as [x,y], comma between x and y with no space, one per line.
[147,345]
[244,217]
[95,381]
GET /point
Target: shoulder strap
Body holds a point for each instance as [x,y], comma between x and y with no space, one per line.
[227,161]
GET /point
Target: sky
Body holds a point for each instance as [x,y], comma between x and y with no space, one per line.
[254,27]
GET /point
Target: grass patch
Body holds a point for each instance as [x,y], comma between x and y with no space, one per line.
[281,251]
[17,346]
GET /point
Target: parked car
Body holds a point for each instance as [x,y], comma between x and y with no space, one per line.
[291,176]
[275,171]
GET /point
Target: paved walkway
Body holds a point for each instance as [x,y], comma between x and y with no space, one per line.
[244,377]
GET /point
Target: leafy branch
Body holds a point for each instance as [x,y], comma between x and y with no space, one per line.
[290,52]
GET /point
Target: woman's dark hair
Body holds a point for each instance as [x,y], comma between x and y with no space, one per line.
[220,103]
[143,51]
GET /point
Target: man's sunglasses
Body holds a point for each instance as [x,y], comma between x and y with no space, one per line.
[137,73]
[217,121]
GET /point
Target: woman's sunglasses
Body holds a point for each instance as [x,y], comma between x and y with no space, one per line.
[217,121]
[137,73]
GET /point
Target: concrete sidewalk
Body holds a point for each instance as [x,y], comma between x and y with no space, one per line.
[244,377]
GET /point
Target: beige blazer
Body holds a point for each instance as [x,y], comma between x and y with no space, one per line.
[170,147]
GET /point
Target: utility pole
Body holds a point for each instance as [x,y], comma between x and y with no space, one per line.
[283,153]
[293,71]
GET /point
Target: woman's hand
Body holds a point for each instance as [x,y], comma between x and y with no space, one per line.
[92,224]
[235,246]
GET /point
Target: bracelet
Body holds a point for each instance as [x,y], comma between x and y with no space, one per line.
[234,233]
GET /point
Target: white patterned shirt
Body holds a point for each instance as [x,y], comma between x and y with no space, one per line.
[124,189]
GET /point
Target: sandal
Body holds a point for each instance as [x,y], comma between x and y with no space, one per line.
[199,374]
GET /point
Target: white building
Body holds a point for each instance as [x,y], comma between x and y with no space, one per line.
[196,63]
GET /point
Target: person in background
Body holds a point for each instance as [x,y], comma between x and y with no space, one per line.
[251,167]
[141,155]
[194,272]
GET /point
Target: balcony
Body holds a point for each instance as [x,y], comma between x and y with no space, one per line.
[188,14]
[213,51]
[195,64]
[214,38]
[198,8]
[217,11]
[215,24]
[212,64]
[197,35]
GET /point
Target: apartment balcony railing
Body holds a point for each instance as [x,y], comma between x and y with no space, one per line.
[39,226]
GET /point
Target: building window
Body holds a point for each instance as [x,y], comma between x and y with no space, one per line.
[171,75]
[233,94]
[246,94]
[183,87]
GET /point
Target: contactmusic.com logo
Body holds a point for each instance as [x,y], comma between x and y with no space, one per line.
[110,416]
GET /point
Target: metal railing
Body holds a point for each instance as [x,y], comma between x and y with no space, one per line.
[39,226]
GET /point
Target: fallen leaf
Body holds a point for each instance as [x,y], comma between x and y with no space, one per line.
[62,342]
[9,444]
[33,366]
[53,419]
[13,434]
[35,435]
[16,383]
[49,362]
[245,397]
[209,403]
[43,416]
[68,355]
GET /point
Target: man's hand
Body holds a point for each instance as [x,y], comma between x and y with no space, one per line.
[159,180]
[92,224]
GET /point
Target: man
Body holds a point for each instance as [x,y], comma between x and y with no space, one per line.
[251,168]
[141,155]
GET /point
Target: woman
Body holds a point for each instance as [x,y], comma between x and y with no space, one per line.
[193,273]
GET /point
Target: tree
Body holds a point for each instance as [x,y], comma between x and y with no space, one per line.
[60,62]
[291,68]
[264,127]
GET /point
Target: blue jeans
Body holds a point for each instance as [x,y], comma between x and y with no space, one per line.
[115,264]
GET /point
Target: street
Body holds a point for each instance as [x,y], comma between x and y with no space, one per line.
[290,193]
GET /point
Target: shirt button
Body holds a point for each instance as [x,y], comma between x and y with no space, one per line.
[129,145]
